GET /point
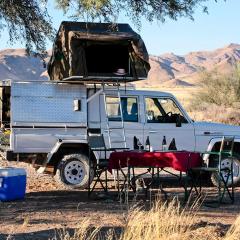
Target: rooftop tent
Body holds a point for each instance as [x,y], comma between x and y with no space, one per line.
[98,52]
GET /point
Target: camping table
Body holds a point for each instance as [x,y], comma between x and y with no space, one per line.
[181,161]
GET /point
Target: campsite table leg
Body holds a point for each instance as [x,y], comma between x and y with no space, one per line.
[125,184]
[159,184]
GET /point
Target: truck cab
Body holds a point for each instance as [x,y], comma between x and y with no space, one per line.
[145,114]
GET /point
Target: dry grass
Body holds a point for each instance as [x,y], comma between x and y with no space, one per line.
[234,232]
[214,113]
[84,231]
[162,222]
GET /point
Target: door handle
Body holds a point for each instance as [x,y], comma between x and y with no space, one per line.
[152,131]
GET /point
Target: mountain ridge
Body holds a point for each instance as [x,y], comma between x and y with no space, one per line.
[170,69]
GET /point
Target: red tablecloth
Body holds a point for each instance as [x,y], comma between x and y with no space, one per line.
[181,161]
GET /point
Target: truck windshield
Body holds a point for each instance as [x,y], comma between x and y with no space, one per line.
[163,110]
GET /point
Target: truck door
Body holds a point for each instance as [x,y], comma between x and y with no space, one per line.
[131,117]
[164,117]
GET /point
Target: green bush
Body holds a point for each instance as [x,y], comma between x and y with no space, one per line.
[218,89]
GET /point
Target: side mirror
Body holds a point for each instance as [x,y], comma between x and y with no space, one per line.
[178,121]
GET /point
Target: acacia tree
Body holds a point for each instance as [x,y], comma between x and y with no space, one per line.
[108,10]
[28,20]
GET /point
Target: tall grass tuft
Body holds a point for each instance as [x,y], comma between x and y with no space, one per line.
[85,231]
[164,221]
[234,232]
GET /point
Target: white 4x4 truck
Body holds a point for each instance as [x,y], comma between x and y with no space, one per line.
[50,121]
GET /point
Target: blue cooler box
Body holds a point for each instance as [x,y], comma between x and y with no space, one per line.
[12,183]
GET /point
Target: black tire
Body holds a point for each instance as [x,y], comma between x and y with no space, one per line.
[236,174]
[73,172]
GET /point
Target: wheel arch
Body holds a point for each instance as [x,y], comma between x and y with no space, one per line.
[63,148]
[214,145]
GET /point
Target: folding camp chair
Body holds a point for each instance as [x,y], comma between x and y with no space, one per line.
[97,144]
[222,170]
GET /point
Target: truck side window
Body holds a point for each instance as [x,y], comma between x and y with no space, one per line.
[163,110]
[129,109]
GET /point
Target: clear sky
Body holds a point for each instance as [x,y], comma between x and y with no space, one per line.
[207,32]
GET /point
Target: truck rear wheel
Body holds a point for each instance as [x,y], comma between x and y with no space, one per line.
[236,172]
[73,172]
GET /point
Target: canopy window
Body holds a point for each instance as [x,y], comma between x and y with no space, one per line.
[97,51]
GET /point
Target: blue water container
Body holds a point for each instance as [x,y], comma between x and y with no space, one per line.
[12,184]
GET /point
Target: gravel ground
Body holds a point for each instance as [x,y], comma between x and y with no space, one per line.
[47,209]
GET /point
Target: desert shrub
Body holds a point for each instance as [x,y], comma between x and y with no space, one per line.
[219,89]
[218,99]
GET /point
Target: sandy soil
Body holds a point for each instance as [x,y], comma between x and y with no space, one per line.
[46,209]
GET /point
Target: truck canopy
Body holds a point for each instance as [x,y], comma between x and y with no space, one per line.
[98,52]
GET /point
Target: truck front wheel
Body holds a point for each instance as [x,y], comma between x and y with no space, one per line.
[73,172]
[226,163]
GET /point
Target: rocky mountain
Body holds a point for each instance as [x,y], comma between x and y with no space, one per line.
[16,65]
[167,69]
[170,69]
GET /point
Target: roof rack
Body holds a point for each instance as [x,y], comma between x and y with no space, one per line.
[98,79]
